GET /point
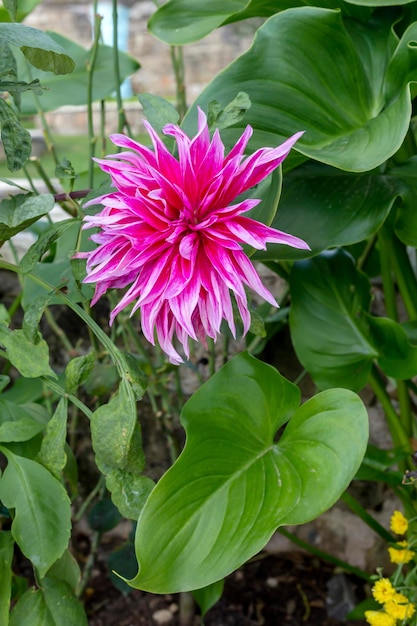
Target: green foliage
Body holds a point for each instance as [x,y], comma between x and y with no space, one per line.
[41,510]
[208,596]
[254,459]
[38,47]
[117,443]
[328,296]
[158,111]
[311,75]
[329,208]
[53,604]
[16,140]
[20,211]
[73,89]
[232,480]
[30,358]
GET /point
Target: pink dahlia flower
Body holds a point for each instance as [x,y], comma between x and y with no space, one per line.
[171,232]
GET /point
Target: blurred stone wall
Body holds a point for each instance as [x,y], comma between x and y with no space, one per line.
[202,60]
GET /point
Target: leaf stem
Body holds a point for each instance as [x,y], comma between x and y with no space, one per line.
[406,278]
[324,555]
[354,505]
[396,428]
[122,121]
[177,60]
[90,73]
[64,394]
[386,272]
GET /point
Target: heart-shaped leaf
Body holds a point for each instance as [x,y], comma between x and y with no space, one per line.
[310,70]
[233,485]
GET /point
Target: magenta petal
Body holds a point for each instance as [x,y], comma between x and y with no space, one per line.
[171,233]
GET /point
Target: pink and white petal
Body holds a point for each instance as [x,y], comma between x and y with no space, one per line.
[222,262]
[260,164]
[122,141]
[271,235]
[244,313]
[249,275]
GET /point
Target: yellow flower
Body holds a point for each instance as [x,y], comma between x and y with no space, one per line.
[398,524]
[399,607]
[379,618]
[383,591]
[400,556]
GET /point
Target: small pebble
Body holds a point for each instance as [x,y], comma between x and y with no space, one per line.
[272,582]
[163,616]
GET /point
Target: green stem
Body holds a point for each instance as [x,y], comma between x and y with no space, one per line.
[324,555]
[97,489]
[37,164]
[370,245]
[177,60]
[30,181]
[45,126]
[406,413]
[396,428]
[385,257]
[90,73]
[15,304]
[122,121]
[64,394]
[354,505]
[406,278]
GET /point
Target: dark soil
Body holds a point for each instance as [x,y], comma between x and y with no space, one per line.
[290,589]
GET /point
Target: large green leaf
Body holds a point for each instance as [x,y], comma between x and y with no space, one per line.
[54,604]
[42,510]
[328,295]
[179,22]
[38,47]
[73,89]
[233,485]
[309,70]
[184,21]
[328,208]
